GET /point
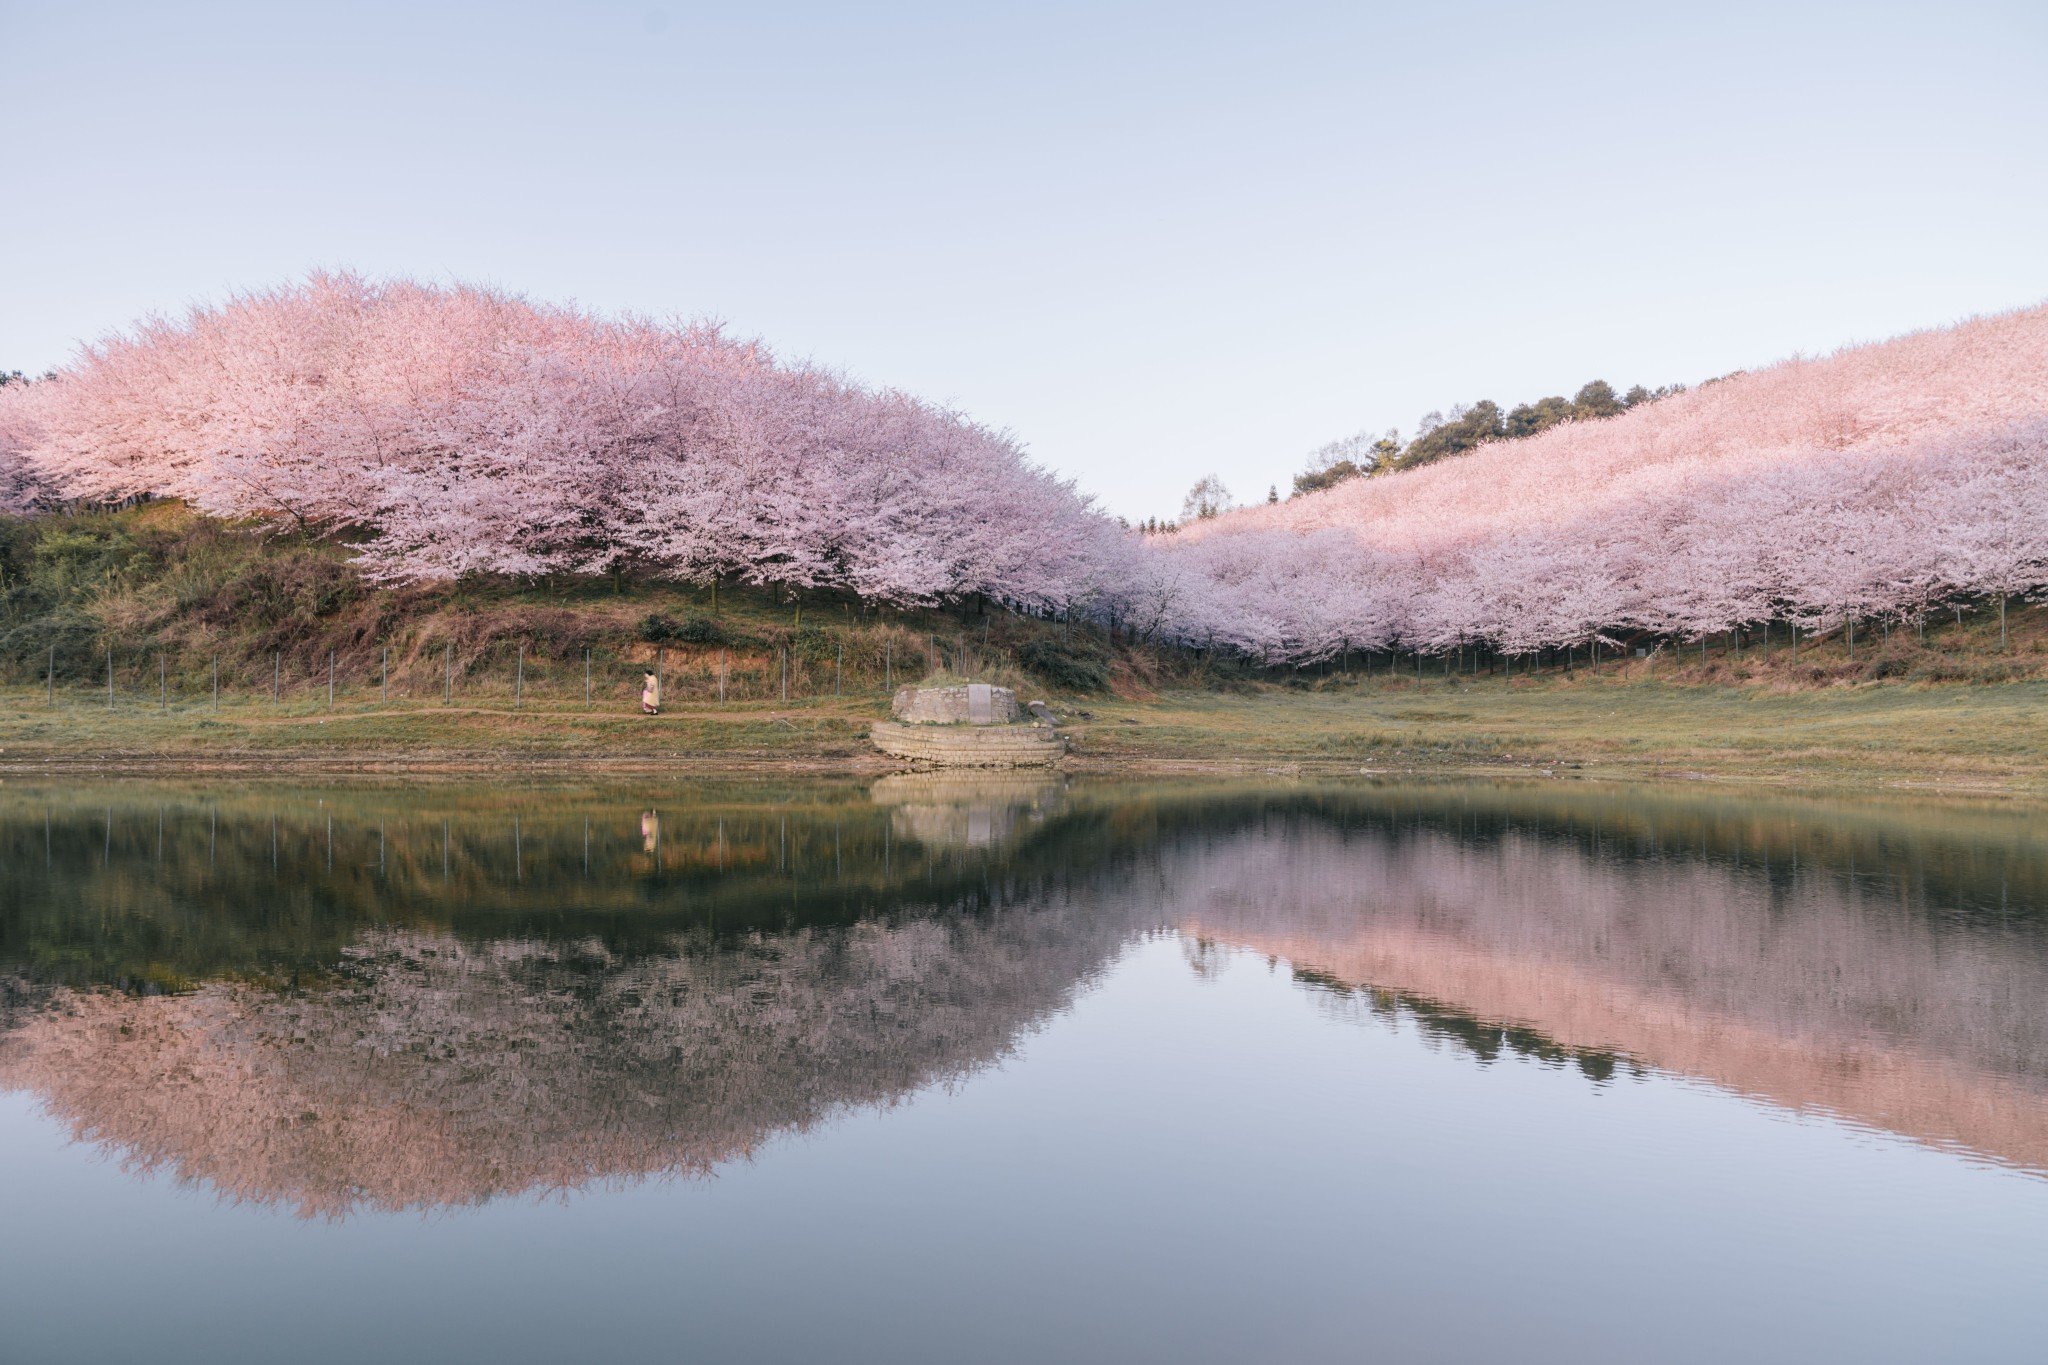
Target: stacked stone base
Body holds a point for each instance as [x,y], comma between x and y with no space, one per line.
[970,746]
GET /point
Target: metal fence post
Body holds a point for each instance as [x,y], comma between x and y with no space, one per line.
[784,652]
[276,674]
[448,673]
[330,680]
[53,675]
[110,677]
[586,675]
[216,682]
[163,684]
[519,680]
[723,656]
[839,675]
[889,665]
[384,676]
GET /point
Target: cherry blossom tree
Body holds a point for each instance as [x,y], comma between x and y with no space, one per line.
[1870,483]
[20,486]
[446,431]
[450,431]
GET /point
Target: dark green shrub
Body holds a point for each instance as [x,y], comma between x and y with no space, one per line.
[1067,665]
[286,586]
[657,628]
[814,645]
[69,559]
[701,630]
[1892,661]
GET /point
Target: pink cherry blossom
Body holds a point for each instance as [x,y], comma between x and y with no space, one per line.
[446,431]
[452,431]
[1874,482]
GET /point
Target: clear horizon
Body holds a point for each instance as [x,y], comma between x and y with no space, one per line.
[1154,242]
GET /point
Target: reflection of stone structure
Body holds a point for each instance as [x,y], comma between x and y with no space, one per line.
[967,810]
[456,1060]
[975,726]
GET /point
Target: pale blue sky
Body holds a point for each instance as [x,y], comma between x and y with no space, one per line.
[1152,240]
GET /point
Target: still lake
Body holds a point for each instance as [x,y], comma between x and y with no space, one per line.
[1019,1069]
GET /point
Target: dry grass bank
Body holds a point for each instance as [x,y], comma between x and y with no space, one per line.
[1990,739]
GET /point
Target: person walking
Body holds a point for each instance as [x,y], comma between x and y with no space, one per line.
[650,695]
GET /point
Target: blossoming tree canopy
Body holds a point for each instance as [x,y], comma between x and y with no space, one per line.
[456,430]
[1876,481]
[447,431]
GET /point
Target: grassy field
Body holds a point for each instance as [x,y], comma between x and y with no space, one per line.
[426,676]
[1983,738]
[475,732]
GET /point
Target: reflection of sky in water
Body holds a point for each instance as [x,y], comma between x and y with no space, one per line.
[1180,1167]
[1441,1074]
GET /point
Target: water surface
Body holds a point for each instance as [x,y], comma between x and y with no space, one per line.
[1018,1069]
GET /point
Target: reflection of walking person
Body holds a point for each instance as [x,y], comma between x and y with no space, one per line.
[650,695]
[650,831]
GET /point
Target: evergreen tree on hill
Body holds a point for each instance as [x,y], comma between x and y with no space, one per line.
[1467,427]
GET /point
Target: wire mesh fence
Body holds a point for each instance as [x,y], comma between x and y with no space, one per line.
[509,676]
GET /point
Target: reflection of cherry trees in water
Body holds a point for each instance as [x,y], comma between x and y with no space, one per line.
[1890,972]
[434,1071]
[1800,986]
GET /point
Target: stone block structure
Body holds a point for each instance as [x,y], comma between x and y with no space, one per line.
[973,704]
[974,726]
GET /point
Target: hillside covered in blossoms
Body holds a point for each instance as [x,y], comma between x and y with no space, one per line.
[454,431]
[449,432]
[1879,482]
